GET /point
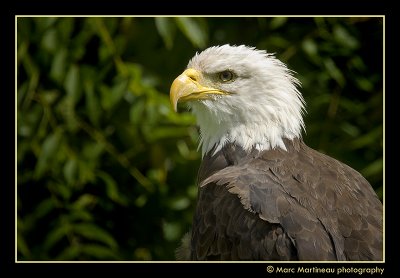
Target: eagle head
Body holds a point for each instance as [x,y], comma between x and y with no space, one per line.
[240,95]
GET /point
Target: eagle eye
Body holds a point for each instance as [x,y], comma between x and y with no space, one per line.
[226,76]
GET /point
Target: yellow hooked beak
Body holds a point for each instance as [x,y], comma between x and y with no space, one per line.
[187,87]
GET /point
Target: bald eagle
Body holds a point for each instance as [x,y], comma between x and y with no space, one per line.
[263,194]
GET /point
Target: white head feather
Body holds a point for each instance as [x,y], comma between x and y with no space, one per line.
[264,105]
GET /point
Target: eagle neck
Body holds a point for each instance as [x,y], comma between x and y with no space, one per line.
[232,154]
[218,130]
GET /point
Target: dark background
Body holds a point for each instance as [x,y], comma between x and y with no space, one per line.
[106,170]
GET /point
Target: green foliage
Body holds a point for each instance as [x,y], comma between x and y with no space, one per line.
[106,169]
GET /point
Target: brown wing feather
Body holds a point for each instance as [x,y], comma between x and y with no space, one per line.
[233,233]
[284,205]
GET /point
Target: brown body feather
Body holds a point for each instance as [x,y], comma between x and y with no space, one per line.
[297,204]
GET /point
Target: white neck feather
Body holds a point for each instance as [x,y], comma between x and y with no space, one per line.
[263,133]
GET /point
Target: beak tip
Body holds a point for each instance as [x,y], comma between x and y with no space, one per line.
[174,93]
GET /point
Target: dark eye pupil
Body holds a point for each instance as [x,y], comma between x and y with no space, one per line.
[226,76]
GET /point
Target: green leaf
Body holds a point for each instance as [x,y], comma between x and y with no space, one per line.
[66,27]
[98,251]
[352,106]
[92,151]
[310,47]
[172,231]
[358,63]
[135,81]
[195,32]
[334,72]
[179,203]
[71,171]
[166,28]
[93,107]
[60,189]
[142,254]
[22,247]
[373,168]
[45,207]
[49,97]
[277,22]
[343,37]
[140,201]
[58,65]
[278,41]
[21,93]
[157,175]
[55,235]
[71,252]
[85,201]
[192,191]
[48,151]
[365,84]
[350,129]
[22,50]
[136,111]
[379,192]
[44,23]
[93,232]
[80,215]
[50,40]
[72,85]
[112,189]
[112,96]
[375,135]
[162,133]
[86,172]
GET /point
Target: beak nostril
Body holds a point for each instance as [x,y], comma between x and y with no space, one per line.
[193,77]
[192,74]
